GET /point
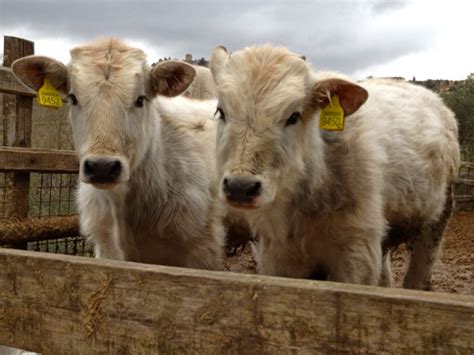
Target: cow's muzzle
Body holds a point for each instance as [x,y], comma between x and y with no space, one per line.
[103,172]
[241,192]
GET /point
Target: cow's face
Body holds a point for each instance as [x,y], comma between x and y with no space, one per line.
[267,101]
[109,87]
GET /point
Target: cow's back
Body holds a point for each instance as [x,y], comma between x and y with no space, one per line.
[417,135]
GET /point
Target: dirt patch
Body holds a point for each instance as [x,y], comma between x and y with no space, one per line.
[452,273]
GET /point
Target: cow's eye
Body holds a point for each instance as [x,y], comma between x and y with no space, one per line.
[139,102]
[72,99]
[221,114]
[294,117]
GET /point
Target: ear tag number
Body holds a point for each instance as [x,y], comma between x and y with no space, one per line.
[332,116]
[48,96]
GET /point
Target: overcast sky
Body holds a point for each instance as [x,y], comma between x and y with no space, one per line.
[426,39]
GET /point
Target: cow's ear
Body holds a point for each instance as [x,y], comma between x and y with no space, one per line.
[219,59]
[170,78]
[33,70]
[351,95]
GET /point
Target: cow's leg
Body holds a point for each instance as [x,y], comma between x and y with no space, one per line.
[101,231]
[206,252]
[386,277]
[276,259]
[424,249]
[359,263]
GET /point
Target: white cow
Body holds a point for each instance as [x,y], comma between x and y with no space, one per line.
[321,202]
[146,169]
[202,87]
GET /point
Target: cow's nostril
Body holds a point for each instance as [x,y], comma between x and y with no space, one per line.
[226,188]
[88,168]
[254,190]
[115,168]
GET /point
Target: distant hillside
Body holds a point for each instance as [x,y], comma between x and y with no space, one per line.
[189,59]
[438,85]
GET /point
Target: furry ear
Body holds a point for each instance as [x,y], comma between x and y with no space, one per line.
[351,95]
[32,70]
[219,58]
[171,78]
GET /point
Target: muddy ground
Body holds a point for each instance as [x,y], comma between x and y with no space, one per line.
[454,271]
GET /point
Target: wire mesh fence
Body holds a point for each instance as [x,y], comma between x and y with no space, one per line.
[49,194]
[71,246]
[3,195]
[52,194]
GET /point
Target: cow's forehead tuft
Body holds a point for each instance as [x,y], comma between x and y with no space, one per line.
[106,66]
[105,59]
[266,78]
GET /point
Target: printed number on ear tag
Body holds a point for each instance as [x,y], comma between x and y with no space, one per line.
[48,96]
[332,116]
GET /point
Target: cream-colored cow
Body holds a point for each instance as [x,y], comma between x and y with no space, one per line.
[202,87]
[146,169]
[321,202]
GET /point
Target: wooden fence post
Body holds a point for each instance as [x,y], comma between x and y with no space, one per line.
[17,112]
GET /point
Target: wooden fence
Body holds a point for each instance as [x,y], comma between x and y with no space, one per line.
[61,304]
[19,160]
[464,189]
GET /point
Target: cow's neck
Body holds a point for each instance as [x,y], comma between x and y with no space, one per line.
[320,188]
[328,193]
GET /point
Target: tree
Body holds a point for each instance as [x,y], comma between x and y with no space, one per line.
[460,98]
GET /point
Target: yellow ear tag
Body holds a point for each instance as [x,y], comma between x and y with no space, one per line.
[332,116]
[48,96]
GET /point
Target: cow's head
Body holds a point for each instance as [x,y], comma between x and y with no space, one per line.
[268,100]
[109,87]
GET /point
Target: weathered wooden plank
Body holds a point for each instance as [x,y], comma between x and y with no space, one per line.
[467,164]
[9,84]
[38,160]
[464,198]
[469,182]
[58,304]
[17,112]
[13,230]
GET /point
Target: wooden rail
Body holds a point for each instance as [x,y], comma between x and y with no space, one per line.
[38,160]
[17,125]
[14,230]
[58,304]
[467,164]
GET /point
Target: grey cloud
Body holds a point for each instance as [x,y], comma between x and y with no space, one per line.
[380,6]
[336,35]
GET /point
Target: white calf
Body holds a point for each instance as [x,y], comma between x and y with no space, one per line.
[146,178]
[321,202]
